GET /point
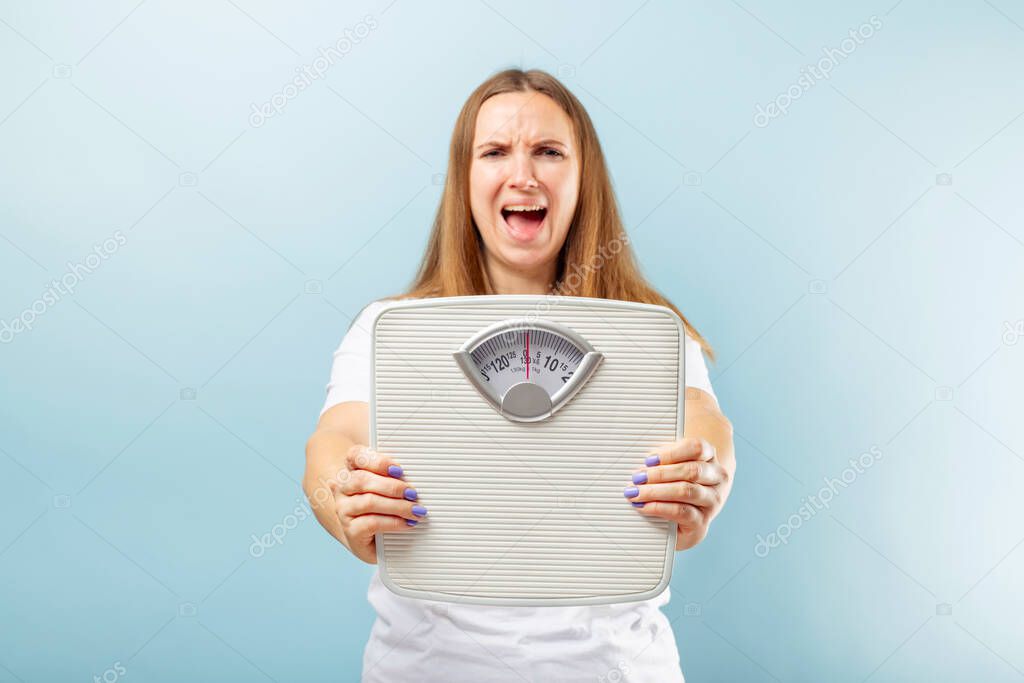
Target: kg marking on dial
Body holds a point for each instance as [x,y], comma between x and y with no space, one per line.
[527,369]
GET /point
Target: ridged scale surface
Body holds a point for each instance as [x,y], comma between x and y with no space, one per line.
[526,513]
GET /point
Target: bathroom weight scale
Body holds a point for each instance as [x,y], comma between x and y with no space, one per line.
[519,420]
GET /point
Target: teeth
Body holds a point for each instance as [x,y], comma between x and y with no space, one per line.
[524,207]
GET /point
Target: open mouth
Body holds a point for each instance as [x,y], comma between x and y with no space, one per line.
[524,223]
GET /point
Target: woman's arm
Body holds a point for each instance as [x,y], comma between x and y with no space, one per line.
[353,491]
[340,428]
[704,420]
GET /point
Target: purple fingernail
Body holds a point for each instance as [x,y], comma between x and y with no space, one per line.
[637,505]
[395,471]
[419,510]
[410,522]
[652,461]
[639,477]
[631,492]
[410,494]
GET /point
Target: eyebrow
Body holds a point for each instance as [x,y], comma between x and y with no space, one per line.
[498,143]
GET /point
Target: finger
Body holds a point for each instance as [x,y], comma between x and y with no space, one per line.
[697,471]
[327,488]
[676,491]
[365,526]
[364,481]
[373,504]
[688,448]
[686,516]
[359,457]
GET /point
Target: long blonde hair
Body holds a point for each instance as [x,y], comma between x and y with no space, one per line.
[596,259]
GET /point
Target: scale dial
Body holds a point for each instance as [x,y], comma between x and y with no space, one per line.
[527,369]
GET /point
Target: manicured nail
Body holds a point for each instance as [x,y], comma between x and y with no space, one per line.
[637,505]
[652,461]
[419,510]
[640,478]
[410,522]
[631,492]
[410,494]
[395,471]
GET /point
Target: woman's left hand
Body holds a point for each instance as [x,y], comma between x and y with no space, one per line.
[683,482]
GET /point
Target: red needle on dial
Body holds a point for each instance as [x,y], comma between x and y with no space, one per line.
[527,354]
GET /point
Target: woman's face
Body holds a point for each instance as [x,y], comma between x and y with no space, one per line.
[524,157]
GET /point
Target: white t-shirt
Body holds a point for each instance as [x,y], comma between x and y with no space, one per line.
[453,642]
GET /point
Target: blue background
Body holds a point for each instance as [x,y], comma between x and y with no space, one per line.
[857,264]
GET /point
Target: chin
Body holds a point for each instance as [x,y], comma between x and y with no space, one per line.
[527,258]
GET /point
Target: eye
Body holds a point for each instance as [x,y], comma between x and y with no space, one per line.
[556,154]
[489,153]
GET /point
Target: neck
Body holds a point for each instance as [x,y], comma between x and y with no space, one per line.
[505,280]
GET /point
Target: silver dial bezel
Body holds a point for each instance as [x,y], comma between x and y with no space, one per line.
[528,410]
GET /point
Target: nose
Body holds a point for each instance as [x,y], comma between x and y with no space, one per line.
[522,173]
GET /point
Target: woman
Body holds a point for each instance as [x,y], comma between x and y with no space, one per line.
[527,208]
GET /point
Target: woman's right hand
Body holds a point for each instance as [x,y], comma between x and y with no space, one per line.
[371,496]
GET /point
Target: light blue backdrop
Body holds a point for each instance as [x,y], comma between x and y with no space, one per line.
[857,262]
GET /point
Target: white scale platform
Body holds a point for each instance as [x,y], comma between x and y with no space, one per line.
[526,508]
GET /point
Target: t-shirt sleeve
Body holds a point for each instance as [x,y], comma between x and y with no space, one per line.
[350,370]
[696,369]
